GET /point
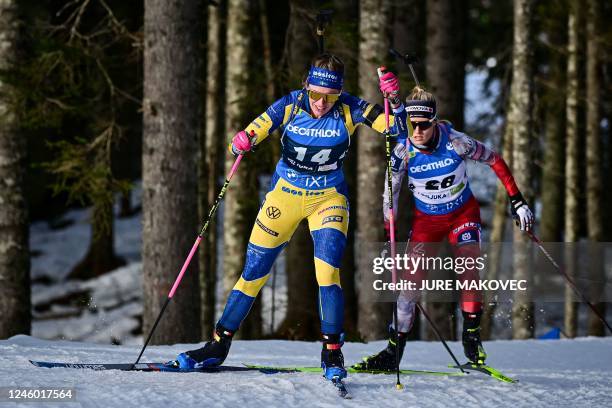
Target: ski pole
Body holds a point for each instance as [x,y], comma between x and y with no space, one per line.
[211,213]
[408,59]
[323,18]
[435,329]
[398,384]
[537,241]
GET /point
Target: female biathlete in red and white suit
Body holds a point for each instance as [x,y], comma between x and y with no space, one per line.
[434,160]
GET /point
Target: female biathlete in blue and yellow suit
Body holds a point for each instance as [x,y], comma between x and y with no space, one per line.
[317,123]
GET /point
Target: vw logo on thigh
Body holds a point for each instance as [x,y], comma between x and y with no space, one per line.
[273,212]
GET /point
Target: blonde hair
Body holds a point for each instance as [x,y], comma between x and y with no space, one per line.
[420,94]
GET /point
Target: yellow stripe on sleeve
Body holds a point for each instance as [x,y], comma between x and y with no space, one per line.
[261,126]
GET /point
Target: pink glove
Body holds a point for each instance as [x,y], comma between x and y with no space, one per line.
[241,143]
[389,85]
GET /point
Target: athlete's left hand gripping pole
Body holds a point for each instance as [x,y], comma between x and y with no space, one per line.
[194,248]
[398,384]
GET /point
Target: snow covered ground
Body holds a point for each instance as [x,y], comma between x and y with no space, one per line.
[552,373]
[108,309]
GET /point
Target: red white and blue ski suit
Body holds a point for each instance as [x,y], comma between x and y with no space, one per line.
[444,204]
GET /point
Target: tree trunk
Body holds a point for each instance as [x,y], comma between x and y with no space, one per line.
[572,142]
[100,257]
[267,53]
[171,125]
[344,43]
[553,178]
[446,55]
[445,76]
[500,210]
[594,178]
[15,317]
[520,122]
[300,42]
[551,223]
[301,321]
[210,166]
[406,15]
[373,48]
[241,200]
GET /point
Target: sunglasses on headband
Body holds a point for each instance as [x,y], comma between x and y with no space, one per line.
[328,98]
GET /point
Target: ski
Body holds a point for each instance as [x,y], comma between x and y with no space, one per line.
[157,367]
[485,369]
[163,367]
[341,388]
[353,370]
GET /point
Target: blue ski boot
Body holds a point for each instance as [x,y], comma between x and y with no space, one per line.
[332,360]
[211,355]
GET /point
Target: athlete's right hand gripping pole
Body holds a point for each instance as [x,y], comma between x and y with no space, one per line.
[194,248]
[398,384]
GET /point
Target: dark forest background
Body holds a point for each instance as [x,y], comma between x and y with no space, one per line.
[98,94]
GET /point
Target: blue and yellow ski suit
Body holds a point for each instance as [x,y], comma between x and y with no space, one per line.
[308,183]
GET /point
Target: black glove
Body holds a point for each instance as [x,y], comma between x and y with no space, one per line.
[523,217]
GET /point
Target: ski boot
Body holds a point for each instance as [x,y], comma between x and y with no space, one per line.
[332,359]
[472,347]
[211,355]
[385,359]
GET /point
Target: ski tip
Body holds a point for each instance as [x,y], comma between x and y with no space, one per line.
[485,369]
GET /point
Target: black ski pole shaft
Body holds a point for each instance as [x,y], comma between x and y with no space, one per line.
[146,343]
[178,279]
[407,59]
[538,243]
[435,329]
[323,18]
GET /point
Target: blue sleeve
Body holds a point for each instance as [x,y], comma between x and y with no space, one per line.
[273,117]
[279,109]
[373,116]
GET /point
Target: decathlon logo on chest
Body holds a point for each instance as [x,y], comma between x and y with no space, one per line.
[432,166]
[313,132]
